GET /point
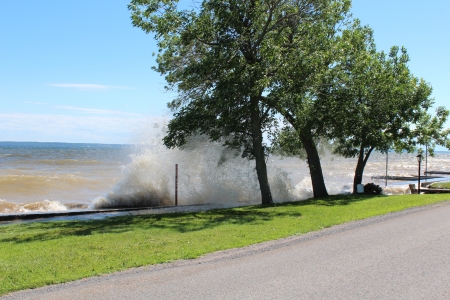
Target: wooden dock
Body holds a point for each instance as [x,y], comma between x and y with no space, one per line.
[414,177]
[407,178]
[438,172]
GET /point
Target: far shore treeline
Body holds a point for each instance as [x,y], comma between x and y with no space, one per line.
[303,73]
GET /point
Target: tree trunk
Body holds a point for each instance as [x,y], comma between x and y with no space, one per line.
[362,160]
[315,168]
[258,150]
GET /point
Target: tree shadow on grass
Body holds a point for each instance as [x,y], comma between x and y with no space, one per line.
[336,200]
[172,222]
[44,231]
[251,215]
[179,222]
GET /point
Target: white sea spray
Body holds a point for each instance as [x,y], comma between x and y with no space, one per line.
[149,180]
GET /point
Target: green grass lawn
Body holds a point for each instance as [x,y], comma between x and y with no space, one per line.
[440,185]
[37,254]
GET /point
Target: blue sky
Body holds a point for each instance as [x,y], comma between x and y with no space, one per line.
[78,71]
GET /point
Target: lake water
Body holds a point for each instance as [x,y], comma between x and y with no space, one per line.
[56,176]
[62,176]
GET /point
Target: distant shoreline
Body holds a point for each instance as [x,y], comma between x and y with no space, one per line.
[65,143]
[116,144]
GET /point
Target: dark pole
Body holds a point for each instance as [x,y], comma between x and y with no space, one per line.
[426,162]
[176,184]
[419,158]
[387,154]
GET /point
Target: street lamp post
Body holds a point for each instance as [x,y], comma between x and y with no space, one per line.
[387,157]
[426,162]
[419,160]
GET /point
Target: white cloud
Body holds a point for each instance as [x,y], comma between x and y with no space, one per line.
[64,128]
[87,86]
[98,111]
[35,103]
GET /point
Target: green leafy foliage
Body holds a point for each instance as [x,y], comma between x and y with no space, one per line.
[238,66]
[429,130]
[288,143]
[370,99]
[225,59]
[375,103]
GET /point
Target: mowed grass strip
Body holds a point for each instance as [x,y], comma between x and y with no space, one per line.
[38,254]
[441,185]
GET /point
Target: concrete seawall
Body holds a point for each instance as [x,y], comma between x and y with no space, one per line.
[87,214]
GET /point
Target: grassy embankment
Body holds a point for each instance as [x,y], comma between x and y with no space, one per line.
[440,185]
[37,254]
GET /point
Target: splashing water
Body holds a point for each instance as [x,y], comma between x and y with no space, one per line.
[58,177]
[42,206]
[149,179]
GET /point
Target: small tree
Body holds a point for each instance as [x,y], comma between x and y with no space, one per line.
[429,131]
[371,99]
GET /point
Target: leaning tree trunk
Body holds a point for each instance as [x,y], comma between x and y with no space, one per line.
[315,168]
[362,161]
[258,150]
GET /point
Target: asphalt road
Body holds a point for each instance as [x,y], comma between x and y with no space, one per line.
[399,256]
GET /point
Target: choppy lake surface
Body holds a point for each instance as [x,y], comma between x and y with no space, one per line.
[56,176]
[61,176]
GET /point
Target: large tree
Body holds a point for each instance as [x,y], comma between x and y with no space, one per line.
[298,94]
[224,58]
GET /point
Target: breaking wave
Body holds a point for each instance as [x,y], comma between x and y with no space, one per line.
[396,190]
[150,178]
[41,206]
